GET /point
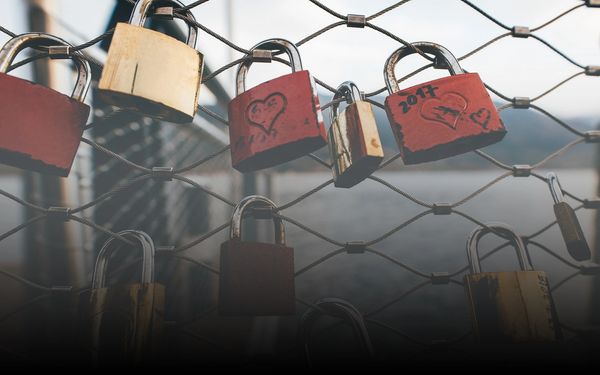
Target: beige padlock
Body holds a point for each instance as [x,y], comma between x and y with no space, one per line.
[150,72]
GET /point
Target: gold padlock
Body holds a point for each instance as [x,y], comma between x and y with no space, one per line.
[354,141]
[123,323]
[509,307]
[151,72]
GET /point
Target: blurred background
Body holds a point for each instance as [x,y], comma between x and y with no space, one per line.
[407,312]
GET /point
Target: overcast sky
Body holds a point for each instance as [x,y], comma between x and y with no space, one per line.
[515,67]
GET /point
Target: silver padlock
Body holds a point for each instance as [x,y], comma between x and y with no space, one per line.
[568,223]
[340,308]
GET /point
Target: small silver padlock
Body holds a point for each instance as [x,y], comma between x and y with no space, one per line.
[340,308]
[568,223]
[510,306]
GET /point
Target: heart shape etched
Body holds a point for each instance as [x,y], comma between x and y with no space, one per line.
[264,113]
[446,109]
[481,117]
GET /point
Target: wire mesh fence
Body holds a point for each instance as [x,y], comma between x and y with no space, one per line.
[152,176]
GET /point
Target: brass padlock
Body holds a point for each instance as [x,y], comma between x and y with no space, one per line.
[151,72]
[340,308]
[512,306]
[256,278]
[354,141]
[125,322]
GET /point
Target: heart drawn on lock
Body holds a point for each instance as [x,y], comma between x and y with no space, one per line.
[446,110]
[264,113]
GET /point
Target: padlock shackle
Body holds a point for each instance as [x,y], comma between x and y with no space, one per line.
[427,47]
[142,8]
[11,49]
[108,249]
[275,44]
[506,231]
[350,92]
[248,202]
[555,187]
[339,308]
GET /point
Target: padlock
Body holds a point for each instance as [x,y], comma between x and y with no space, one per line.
[567,221]
[443,117]
[339,308]
[150,72]
[40,128]
[256,278]
[512,306]
[354,142]
[124,322]
[278,120]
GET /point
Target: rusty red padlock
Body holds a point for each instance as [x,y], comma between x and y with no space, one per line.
[256,278]
[443,117]
[278,120]
[40,128]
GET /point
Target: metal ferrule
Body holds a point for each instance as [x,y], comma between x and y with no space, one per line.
[427,47]
[504,230]
[142,8]
[109,247]
[251,201]
[276,44]
[15,45]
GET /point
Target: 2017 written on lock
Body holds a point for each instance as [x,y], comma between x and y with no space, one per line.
[412,100]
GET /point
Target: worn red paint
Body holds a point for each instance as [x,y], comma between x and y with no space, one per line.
[256,279]
[443,118]
[40,128]
[275,122]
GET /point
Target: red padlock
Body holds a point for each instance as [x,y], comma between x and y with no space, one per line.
[278,120]
[443,117]
[256,278]
[40,128]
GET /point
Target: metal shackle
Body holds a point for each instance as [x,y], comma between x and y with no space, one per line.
[275,44]
[427,47]
[142,8]
[506,231]
[11,49]
[350,92]
[250,202]
[340,308]
[555,188]
[147,247]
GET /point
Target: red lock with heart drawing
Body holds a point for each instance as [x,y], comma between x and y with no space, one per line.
[278,120]
[443,117]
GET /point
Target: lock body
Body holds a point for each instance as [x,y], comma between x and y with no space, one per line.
[354,144]
[123,323]
[512,307]
[40,128]
[256,279]
[443,118]
[152,73]
[275,122]
[571,231]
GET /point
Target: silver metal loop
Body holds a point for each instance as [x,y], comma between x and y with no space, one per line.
[339,308]
[427,47]
[350,92]
[11,49]
[235,231]
[503,229]
[275,44]
[146,246]
[555,188]
[142,8]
